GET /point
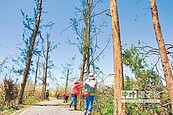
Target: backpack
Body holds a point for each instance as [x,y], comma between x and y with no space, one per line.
[90,89]
[47,93]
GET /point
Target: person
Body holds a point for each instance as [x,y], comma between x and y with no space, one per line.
[57,95]
[75,91]
[47,95]
[90,88]
[65,97]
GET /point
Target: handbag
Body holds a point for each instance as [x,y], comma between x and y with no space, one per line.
[85,93]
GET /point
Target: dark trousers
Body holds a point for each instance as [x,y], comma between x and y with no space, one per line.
[65,99]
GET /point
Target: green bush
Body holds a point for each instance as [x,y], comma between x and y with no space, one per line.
[11,110]
[108,108]
[30,101]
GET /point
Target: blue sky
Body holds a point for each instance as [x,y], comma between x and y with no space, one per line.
[135,24]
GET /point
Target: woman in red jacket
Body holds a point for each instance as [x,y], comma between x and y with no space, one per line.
[75,91]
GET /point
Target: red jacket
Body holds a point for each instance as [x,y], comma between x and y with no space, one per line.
[65,95]
[76,88]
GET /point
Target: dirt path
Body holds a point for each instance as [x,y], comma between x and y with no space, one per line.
[52,107]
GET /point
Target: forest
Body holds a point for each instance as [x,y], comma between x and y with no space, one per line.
[133,77]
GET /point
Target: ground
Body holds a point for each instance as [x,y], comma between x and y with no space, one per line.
[52,107]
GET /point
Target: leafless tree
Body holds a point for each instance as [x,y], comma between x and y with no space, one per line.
[162,50]
[48,47]
[118,68]
[36,73]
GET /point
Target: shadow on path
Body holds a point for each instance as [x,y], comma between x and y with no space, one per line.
[47,105]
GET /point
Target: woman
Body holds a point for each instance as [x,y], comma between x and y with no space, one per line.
[75,91]
[90,88]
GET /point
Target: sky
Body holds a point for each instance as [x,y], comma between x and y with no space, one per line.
[134,18]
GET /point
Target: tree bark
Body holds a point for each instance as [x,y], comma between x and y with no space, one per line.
[86,42]
[67,78]
[162,50]
[36,73]
[43,90]
[81,79]
[86,48]
[88,24]
[46,66]
[30,53]
[118,68]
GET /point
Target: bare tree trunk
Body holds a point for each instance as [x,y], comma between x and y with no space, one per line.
[81,79]
[88,35]
[43,90]
[83,67]
[46,65]
[86,47]
[36,73]
[33,38]
[162,49]
[118,69]
[66,82]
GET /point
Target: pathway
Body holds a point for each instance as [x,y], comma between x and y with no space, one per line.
[52,107]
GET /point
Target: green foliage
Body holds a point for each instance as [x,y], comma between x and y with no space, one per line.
[131,108]
[143,109]
[104,100]
[134,59]
[30,101]
[11,110]
[128,84]
[146,80]
[108,108]
[25,46]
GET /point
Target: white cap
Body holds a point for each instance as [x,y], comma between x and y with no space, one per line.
[91,76]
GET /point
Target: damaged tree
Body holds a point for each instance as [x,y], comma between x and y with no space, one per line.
[30,52]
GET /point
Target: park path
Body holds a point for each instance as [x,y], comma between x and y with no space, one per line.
[52,107]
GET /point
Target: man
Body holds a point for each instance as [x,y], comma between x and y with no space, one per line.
[47,95]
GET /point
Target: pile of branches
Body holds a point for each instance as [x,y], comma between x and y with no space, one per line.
[9,93]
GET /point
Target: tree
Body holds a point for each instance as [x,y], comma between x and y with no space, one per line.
[118,68]
[162,49]
[87,36]
[3,64]
[30,51]
[67,70]
[145,80]
[46,56]
[86,43]
[36,73]
[47,48]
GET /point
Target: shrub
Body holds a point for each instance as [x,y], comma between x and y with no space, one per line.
[108,108]
[30,101]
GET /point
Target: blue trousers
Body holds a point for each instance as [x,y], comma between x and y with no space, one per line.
[89,103]
[73,100]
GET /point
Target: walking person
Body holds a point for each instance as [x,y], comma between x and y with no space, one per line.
[57,95]
[65,97]
[75,91]
[90,88]
[47,95]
